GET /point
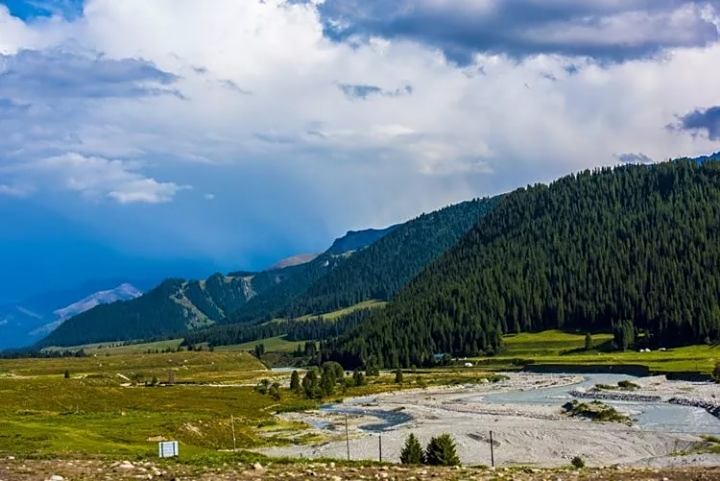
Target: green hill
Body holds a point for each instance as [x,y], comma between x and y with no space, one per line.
[637,244]
[386,266]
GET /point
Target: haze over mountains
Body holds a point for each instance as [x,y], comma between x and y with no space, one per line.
[380,261]
[25,322]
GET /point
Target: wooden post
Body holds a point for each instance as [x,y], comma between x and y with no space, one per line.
[347,437]
[232,426]
[380,446]
[492,451]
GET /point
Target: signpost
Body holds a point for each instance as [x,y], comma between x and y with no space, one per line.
[168,449]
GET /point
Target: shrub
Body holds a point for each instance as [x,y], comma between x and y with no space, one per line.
[67,374]
[412,452]
[441,451]
[577,462]
[398,376]
[716,372]
[274,391]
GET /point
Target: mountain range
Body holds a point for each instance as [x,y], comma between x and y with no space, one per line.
[25,322]
[591,251]
[379,260]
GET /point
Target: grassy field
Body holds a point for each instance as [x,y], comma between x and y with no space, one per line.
[372,304]
[110,407]
[557,347]
[105,407]
[272,344]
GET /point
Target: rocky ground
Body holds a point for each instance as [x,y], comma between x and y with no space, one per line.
[98,470]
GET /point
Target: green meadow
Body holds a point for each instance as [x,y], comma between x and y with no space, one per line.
[563,348]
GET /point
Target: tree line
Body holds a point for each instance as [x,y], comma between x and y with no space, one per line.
[629,249]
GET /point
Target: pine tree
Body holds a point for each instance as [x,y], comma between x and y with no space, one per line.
[412,452]
[441,451]
[398,376]
[588,342]
[295,382]
[358,378]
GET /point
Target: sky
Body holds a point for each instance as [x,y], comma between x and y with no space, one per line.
[144,139]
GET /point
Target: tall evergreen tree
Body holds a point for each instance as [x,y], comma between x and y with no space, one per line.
[412,452]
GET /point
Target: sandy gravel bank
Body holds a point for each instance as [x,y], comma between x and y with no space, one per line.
[535,434]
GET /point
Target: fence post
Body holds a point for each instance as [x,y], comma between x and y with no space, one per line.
[492,451]
[232,426]
[380,446]
[347,437]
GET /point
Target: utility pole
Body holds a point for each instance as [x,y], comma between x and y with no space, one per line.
[380,446]
[347,437]
[232,426]
[492,451]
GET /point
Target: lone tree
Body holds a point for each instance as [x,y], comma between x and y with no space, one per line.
[295,382]
[358,378]
[67,374]
[441,451]
[398,376]
[412,452]
[588,342]
[259,350]
[624,335]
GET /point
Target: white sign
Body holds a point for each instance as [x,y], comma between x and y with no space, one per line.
[168,449]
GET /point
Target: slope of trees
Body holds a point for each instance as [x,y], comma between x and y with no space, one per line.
[294,330]
[634,244]
[386,266]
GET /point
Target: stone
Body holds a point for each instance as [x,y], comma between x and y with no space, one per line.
[258,467]
[55,477]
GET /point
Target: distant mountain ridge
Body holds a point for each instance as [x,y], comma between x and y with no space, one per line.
[295,260]
[25,322]
[354,240]
[179,305]
[123,292]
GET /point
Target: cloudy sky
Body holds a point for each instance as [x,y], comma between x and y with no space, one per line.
[143,138]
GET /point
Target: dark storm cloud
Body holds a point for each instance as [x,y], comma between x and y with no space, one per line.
[34,74]
[607,30]
[707,121]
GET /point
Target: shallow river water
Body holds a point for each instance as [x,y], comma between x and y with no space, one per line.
[647,416]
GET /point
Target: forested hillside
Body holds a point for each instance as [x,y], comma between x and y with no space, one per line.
[384,267]
[634,243]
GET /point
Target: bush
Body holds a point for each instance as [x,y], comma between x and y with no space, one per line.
[412,452]
[441,451]
[577,462]
[716,372]
[274,391]
[67,374]
[398,376]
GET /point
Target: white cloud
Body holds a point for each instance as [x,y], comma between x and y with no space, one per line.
[261,112]
[95,177]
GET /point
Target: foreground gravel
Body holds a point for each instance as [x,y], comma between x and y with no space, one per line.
[47,470]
